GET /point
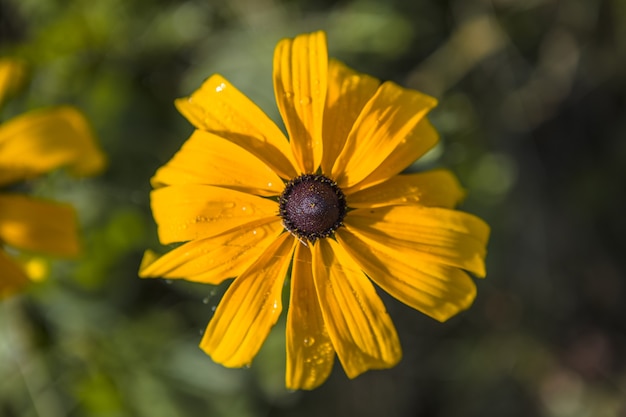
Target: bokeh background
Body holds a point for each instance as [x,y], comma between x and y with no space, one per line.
[532,116]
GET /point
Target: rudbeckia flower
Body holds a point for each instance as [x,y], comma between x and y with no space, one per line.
[329,207]
[33,144]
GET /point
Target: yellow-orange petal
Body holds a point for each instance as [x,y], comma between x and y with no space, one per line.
[362,332]
[188,212]
[12,276]
[388,120]
[444,236]
[211,160]
[348,92]
[436,290]
[437,188]
[39,226]
[43,140]
[12,73]
[310,352]
[218,107]
[250,307]
[300,79]
[215,259]
[424,137]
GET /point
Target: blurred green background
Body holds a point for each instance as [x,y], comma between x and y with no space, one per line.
[533,120]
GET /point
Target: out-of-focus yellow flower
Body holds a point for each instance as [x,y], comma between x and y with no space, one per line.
[329,204]
[33,144]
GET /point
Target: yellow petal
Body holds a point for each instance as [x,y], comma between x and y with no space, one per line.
[250,307]
[42,140]
[211,160]
[348,92]
[357,322]
[424,137]
[188,212]
[310,352]
[444,236]
[215,259]
[437,188]
[218,107]
[37,268]
[12,73]
[387,121]
[12,277]
[300,77]
[37,225]
[436,290]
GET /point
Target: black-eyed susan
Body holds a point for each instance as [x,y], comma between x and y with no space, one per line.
[33,144]
[330,203]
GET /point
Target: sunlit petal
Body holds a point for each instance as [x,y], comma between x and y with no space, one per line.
[424,137]
[388,120]
[250,307]
[38,226]
[348,92]
[187,212]
[300,79]
[310,353]
[42,140]
[215,259]
[444,236]
[218,107]
[436,290]
[357,321]
[12,276]
[211,160]
[438,188]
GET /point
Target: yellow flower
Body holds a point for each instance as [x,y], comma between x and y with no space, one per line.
[33,144]
[329,203]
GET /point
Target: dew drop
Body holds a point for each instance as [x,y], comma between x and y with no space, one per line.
[288,94]
[308,341]
[168,281]
[254,232]
[269,184]
[206,300]
[305,100]
[220,87]
[213,308]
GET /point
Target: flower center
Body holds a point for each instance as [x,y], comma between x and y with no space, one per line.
[312,206]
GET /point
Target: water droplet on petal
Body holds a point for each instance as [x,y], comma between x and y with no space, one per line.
[309,341]
[305,100]
[220,87]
